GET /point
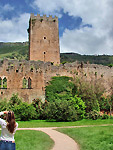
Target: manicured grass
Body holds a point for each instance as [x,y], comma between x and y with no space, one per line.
[43,123]
[32,140]
[92,138]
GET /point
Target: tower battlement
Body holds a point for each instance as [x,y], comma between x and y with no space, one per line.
[44,18]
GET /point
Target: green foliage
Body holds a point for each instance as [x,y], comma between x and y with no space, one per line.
[14,100]
[59,88]
[110,65]
[65,110]
[40,108]
[104,104]
[93,115]
[105,116]
[24,111]
[14,50]
[63,105]
[64,62]
[99,59]
[79,106]
[3,105]
[90,92]
[60,111]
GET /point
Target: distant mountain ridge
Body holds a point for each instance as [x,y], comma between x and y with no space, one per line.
[93,59]
[19,50]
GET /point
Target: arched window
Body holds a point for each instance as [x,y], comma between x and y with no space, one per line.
[25,83]
[5,83]
[29,83]
[0,82]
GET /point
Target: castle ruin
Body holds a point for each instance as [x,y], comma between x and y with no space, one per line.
[29,78]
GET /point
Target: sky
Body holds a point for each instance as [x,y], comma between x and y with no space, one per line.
[85,26]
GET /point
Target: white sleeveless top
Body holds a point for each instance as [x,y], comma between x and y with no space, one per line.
[5,134]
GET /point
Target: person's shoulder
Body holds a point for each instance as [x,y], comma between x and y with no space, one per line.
[1,113]
[3,122]
[16,125]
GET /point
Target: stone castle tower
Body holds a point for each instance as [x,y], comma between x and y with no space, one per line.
[44,39]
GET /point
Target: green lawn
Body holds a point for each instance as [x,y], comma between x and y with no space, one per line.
[92,138]
[89,138]
[43,123]
[32,140]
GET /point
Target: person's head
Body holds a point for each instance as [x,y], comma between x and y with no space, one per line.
[11,124]
[10,116]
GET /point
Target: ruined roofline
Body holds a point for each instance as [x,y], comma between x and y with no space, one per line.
[43,18]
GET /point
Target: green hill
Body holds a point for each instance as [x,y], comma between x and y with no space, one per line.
[20,50]
[16,50]
[93,59]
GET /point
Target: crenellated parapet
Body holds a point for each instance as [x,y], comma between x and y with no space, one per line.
[43,18]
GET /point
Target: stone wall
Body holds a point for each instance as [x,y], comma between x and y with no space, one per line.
[39,74]
[15,72]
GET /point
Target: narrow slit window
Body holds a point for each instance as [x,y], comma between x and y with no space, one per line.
[5,83]
[29,83]
[24,83]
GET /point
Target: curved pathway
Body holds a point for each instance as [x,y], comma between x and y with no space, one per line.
[62,141]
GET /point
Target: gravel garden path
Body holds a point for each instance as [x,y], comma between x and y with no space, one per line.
[61,141]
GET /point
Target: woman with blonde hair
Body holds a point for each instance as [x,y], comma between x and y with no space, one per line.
[9,127]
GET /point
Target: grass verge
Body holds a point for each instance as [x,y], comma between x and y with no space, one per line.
[43,123]
[32,140]
[92,138]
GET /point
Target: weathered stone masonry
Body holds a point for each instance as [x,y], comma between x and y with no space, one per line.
[38,74]
[15,73]
[44,39]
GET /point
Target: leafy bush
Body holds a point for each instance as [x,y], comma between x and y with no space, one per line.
[24,111]
[59,88]
[79,106]
[40,108]
[110,65]
[104,104]
[93,115]
[105,116]
[3,105]
[61,111]
[14,100]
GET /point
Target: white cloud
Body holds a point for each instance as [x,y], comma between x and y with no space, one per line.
[48,6]
[83,41]
[14,30]
[6,8]
[95,40]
